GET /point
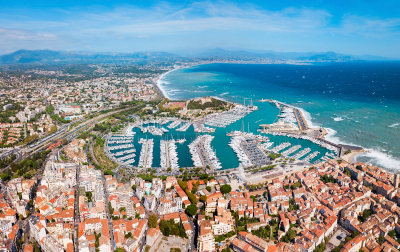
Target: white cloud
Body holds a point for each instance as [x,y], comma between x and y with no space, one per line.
[370,26]
[20,34]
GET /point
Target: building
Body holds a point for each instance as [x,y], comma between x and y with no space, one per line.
[205,240]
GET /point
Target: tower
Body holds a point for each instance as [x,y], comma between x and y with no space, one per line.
[396,180]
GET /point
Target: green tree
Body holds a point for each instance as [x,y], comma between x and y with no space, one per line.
[203,198]
[108,172]
[191,209]
[208,188]
[226,189]
[320,248]
[153,221]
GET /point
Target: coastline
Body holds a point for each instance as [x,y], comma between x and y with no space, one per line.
[371,154]
[159,78]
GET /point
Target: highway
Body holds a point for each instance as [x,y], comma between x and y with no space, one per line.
[70,133]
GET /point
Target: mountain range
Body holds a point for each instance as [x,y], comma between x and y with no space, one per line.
[62,57]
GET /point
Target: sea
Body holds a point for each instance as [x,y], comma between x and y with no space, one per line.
[357,102]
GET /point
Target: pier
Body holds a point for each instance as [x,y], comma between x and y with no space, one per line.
[202,153]
[146,154]
[301,121]
[168,154]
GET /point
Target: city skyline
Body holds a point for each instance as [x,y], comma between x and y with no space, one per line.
[358,28]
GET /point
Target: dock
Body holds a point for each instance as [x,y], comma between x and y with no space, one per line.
[301,121]
[146,154]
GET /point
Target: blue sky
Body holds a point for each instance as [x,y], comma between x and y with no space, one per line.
[350,27]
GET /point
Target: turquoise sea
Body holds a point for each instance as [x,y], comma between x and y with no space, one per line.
[358,102]
[220,143]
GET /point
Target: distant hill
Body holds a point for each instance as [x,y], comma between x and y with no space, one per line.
[286,56]
[49,56]
[62,57]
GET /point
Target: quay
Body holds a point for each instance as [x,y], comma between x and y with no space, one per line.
[301,121]
[166,144]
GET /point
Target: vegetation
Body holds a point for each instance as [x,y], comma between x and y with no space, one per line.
[153,221]
[320,248]
[191,209]
[30,138]
[108,172]
[225,236]
[366,213]
[103,162]
[290,235]
[264,233]
[328,179]
[217,104]
[26,168]
[226,189]
[203,198]
[171,228]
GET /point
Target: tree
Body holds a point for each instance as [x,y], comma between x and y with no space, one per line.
[320,248]
[37,249]
[380,239]
[366,214]
[208,188]
[226,189]
[191,209]
[108,172]
[64,141]
[203,198]
[27,213]
[153,221]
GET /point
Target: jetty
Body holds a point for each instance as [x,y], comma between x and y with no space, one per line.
[146,154]
[301,121]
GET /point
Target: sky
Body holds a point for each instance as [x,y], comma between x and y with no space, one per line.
[349,27]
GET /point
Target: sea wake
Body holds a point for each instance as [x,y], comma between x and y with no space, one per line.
[338,119]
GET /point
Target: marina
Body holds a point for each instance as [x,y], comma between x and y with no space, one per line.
[185,127]
[120,149]
[226,118]
[301,153]
[241,122]
[200,128]
[248,151]
[202,153]
[146,153]
[291,150]
[168,155]
[174,124]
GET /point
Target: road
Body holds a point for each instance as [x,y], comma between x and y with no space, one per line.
[8,153]
[110,224]
[76,214]
[73,130]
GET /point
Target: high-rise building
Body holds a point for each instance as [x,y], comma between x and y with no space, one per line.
[396,180]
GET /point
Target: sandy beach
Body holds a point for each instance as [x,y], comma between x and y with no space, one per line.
[350,157]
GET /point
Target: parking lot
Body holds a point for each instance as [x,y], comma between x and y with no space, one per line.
[338,237]
[164,244]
